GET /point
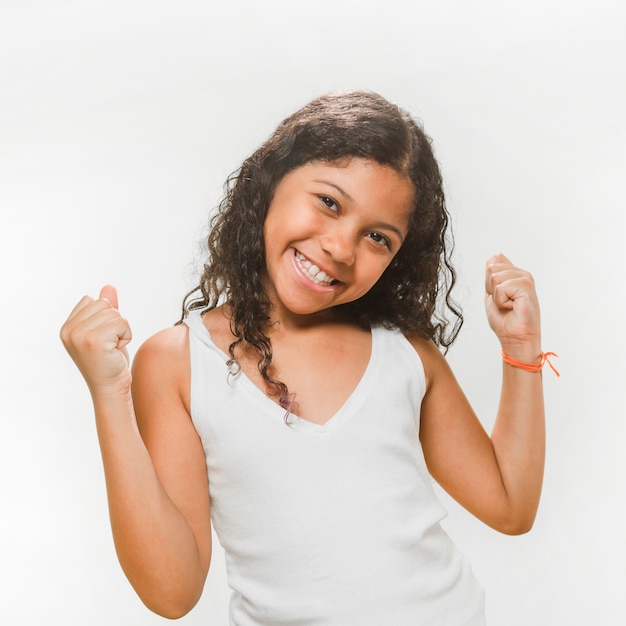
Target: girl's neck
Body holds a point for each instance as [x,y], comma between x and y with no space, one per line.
[282,322]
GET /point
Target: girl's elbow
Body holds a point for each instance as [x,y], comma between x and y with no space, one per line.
[517,529]
[169,599]
[518,524]
[172,593]
[172,608]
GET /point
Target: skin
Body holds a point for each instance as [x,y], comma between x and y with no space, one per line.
[348,220]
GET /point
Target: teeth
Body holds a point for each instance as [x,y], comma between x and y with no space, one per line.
[312,271]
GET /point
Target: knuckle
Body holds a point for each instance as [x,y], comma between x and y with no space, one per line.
[91,340]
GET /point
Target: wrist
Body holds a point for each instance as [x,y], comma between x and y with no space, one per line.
[528,351]
[110,399]
[531,366]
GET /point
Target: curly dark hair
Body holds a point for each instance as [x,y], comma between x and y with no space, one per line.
[413,294]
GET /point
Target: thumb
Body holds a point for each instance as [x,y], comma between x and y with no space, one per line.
[498,259]
[108,292]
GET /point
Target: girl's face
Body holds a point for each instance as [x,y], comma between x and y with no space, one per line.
[331,231]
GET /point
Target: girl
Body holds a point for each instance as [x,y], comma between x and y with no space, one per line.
[303,404]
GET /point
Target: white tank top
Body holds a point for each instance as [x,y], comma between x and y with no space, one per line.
[333,524]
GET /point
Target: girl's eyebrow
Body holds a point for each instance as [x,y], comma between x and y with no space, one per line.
[342,191]
[345,194]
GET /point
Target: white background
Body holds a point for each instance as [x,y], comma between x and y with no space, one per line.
[119,122]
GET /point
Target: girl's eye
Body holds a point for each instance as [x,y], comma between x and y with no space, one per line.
[380,239]
[330,203]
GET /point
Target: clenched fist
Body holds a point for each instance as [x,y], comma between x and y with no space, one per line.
[96,336]
[512,308]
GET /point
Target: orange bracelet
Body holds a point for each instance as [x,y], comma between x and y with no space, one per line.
[531,367]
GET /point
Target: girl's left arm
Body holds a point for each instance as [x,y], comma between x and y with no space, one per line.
[496,478]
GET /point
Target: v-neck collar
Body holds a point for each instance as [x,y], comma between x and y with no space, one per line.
[273,410]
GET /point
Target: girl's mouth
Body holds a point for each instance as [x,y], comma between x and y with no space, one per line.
[314,273]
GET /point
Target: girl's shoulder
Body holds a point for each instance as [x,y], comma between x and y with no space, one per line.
[217,322]
[163,359]
[161,367]
[432,359]
[169,348]
[169,343]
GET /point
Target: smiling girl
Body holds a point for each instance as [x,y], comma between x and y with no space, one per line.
[303,404]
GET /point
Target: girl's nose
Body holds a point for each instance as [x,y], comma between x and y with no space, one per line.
[340,244]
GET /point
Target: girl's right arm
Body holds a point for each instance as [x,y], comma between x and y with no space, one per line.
[153,461]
